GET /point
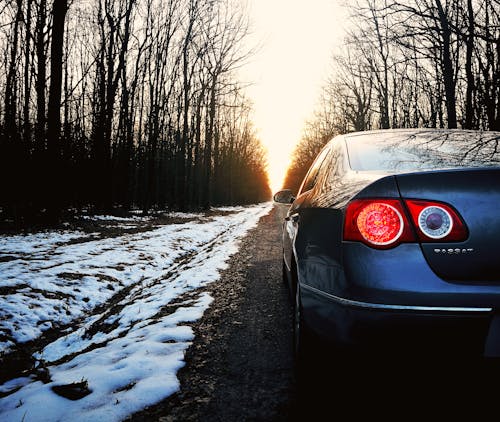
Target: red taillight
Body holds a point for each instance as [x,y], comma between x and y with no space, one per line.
[380,223]
[436,222]
[383,223]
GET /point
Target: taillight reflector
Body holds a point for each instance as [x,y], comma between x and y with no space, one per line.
[436,222]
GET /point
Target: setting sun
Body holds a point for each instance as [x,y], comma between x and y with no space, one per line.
[297,40]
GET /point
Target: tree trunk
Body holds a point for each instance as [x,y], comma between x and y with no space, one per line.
[447,68]
[207,182]
[469,109]
[40,79]
[27,84]
[56,58]
[56,193]
[10,86]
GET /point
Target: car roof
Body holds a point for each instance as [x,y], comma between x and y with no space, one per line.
[417,131]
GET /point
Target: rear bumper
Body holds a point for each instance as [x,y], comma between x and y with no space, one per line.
[401,328]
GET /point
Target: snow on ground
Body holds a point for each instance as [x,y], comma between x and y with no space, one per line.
[114,218]
[128,352]
[39,243]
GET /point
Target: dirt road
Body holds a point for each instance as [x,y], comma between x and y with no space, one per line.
[240,366]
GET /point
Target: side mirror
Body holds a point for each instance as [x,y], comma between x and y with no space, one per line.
[284,196]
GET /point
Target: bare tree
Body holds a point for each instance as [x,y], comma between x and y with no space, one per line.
[144,108]
[225,29]
[59,9]
[426,63]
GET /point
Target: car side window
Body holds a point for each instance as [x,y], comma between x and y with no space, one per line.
[335,167]
[312,174]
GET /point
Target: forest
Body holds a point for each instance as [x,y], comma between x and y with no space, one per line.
[408,64]
[124,104]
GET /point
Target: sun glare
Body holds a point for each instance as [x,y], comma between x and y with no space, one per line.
[297,40]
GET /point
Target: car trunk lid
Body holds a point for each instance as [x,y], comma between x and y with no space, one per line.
[475,195]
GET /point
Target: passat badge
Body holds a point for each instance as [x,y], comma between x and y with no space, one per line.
[453,251]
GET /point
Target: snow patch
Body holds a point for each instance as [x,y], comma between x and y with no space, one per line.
[130,354]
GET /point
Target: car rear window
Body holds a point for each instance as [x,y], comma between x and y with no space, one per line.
[401,151]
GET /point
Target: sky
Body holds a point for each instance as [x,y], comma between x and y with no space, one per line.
[127,354]
[297,39]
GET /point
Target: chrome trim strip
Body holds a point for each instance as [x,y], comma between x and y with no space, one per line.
[379,306]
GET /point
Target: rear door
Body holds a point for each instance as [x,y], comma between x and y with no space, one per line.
[292,219]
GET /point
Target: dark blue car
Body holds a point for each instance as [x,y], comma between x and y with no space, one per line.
[393,242]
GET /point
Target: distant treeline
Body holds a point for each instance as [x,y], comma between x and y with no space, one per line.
[124,103]
[412,63]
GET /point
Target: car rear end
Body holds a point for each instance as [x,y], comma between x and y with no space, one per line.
[420,257]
